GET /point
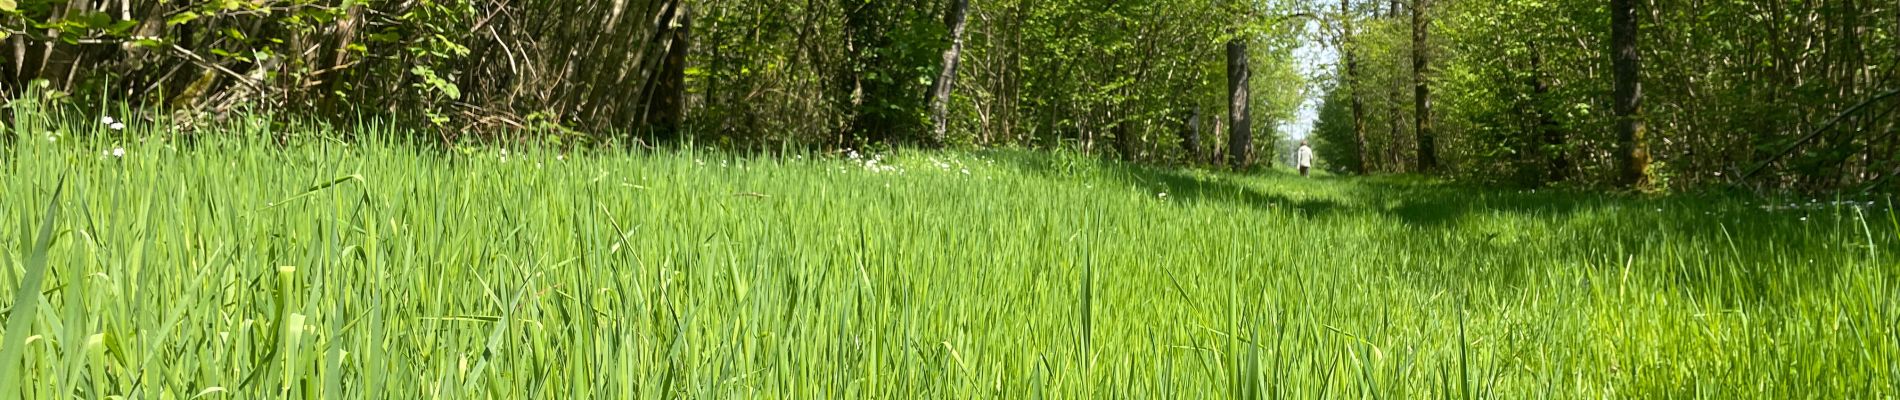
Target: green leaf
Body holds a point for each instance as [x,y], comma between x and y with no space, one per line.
[8,6]
[148,43]
[92,20]
[121,27]
[27,297]
[175,20]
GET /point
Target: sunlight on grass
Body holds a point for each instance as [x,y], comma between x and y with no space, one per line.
[369,270]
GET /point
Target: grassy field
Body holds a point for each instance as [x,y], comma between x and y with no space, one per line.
[325,270]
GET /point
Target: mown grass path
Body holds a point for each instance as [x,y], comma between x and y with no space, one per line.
[372,271]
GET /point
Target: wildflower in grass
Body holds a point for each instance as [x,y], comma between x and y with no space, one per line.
[966,171]
[1162,195]
[107,120]
[117,126]
[116,152]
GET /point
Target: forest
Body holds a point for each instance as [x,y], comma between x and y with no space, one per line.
[1768,95]
[1008,199]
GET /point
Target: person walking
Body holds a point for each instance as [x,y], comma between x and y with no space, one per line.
[1305,158]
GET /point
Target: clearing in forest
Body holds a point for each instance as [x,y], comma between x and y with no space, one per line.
[365,270]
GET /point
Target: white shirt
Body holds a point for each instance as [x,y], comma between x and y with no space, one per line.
[1306,156]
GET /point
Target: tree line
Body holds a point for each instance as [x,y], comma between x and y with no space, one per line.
[1776,94]
[1773,95]
[1197,81]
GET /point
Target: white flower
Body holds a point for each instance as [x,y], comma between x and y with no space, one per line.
[118,152]
[52,139]
[1162,195]
[117,126]
[107,120]
[1804,219]
[966,171]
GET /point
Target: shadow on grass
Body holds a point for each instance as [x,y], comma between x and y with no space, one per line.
[1185,186]
[1725,247]
[1413,201]
[1425,203]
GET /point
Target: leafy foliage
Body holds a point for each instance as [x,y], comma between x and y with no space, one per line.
[1727,85]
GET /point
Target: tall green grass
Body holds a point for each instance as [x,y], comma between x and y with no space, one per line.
[229,268]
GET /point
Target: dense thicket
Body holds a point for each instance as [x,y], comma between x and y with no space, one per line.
[454,63]
[1142,79]
[1772,94]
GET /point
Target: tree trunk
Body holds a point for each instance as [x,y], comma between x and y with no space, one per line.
[1124,139]
[945,84]
[1422,91]
[1555,150]
[666,103]
[1191,134]
[1239,106]
[1632,154]
[1395,111]
[1351,85]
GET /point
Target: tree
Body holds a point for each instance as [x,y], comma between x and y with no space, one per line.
[1422,90]
[665,105]
[1239,106]
[885,69]
[1351,85]
[945,84]
[1556,157]
[1632,154]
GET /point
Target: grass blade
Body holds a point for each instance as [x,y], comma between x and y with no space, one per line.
[26,298]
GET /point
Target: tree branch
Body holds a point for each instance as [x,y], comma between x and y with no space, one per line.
[1785,152]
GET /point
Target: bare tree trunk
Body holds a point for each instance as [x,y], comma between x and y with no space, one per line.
[1632,154]
[1422,90]
[945,84]
[1351,85]
[1239,106]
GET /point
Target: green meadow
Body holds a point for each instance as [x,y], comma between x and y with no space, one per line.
[235,268]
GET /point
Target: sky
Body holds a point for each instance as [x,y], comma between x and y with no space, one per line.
[1315,59]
